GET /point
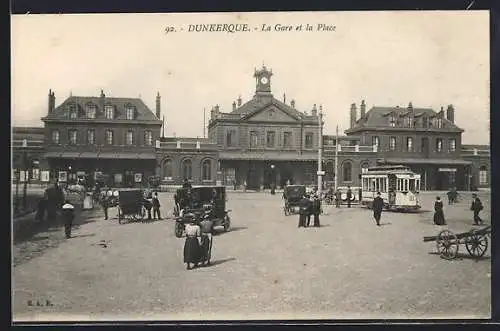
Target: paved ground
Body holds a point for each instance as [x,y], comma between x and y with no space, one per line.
[265,268]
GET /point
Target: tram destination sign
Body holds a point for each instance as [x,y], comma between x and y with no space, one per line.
[447,169]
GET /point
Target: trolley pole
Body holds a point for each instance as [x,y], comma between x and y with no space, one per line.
[320,151]
[336,156]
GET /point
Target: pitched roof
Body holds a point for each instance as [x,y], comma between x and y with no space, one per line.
[143,113]
[378,117]
[258,103]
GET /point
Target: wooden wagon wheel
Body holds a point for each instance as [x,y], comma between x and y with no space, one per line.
[476,245]
[287,211]
[120,216]
[447,245]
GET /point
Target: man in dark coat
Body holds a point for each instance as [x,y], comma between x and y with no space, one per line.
[476,207]
[303,211]
[156,206]
[68,214]
[438,212]
[316,209]
[41,208]
[377,206]
[349,196]
[55,199]
[309,210]
[338,198]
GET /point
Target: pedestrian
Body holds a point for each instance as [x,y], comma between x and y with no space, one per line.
[309,209]
[55,199]
[156,206]
[377,206]
[244,186]
[338,198]
[349,196]
[303,211]
[68,213]
[438,212]
[449,194]
[476,207]
[316,209]
[186,184]
[191,244]
[148,205]
[41,208]
[105,203]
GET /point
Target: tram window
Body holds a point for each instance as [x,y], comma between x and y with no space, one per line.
[384,188]
[417,186]
[406,185]
[398,187]
[377,186]
[373,185]
[412,185]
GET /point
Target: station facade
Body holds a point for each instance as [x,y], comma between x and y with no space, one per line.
[260,142]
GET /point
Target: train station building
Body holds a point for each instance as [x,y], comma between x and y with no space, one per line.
[258,142]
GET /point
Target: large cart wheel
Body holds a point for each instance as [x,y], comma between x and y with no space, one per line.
[227,223]
[139,215]
[179,229]
[476,245]
[447,245]
[286,209]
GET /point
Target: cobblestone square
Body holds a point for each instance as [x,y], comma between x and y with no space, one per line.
[264,268]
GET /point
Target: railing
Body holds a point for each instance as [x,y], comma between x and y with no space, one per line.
[27,143]
[355,149]
[475,152]
[185,145]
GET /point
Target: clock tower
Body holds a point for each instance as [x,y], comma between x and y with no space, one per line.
[263,81]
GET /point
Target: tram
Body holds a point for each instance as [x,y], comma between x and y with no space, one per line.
[398,186]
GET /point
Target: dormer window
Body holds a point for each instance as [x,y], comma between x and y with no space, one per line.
[90,111]
[109,112]
[439,123]
[73,112]
[392,120]
[130,112]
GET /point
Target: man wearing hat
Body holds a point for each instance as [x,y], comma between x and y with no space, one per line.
[68,214]
[476,207]
[377,206]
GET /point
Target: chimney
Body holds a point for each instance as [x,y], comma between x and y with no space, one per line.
[292,103]
[234,105]
[52,101]
[362,109]
[450,114]
[239,100]
[353,115]
[212,113]
[314,111]
[101,100]
[216,109]
[158,105]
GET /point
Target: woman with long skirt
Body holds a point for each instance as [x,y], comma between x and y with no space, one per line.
[438,212]
[191,245]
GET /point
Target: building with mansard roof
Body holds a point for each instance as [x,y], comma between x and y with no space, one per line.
[259,142]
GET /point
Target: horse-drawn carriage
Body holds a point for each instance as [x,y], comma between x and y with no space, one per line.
[201,202]
[475,241]
[292,194]
[131,205]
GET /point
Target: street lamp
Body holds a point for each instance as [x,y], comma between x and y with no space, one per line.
[272,179]
[320,172]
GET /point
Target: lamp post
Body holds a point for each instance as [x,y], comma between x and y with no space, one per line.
[272,180]
[336,157]
[320,150]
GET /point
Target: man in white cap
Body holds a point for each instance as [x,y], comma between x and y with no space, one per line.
[68,213]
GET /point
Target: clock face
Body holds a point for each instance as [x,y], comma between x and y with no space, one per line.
[264,80]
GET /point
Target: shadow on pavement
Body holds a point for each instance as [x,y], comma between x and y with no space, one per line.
[216,262]
[238,228]
[466,256]
[83,235]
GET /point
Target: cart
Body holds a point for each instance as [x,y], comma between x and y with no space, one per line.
[130,206]
[475,241]
[292,194]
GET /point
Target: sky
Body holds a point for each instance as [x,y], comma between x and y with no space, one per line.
[431,59]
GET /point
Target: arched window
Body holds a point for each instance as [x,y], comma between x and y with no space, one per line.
[347,171]
[167,169]
[206,168]
[187,169]
[330,171]
[483,175]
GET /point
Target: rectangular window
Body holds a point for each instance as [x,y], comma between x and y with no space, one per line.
[231,138]
[409,144]
[148,138]
[287,139]
[55,137]
[130,113]
[309,140]
[392,120]
[424,146]
[254,139]
[270,142]
[392,143]
[129,138]
[483,177]
[109,137]
[375,141]
[439,123]
[72,136]
[109,112]
[90,112]
[453,145]
[91,137]
[439,145]
[425,122]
